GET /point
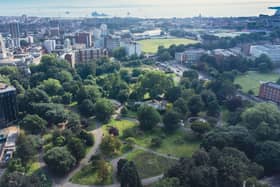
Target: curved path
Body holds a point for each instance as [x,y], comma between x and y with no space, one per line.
[63,182]
[98,135]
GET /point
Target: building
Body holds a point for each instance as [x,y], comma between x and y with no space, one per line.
[272,51]
[89,54]
[112,42]
[8,105]
[15,33]
[132,48]
[3,52]
[14,29]
[84,38]
[49,45]
[189,56]
[270,91]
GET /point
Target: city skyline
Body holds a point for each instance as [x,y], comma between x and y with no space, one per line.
[145,8]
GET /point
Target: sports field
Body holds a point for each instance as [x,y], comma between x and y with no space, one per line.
[252,80]
[151,45]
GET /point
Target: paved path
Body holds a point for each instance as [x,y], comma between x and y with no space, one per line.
[147,181]
[63,182]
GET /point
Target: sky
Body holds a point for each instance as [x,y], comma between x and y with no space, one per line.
[153,8]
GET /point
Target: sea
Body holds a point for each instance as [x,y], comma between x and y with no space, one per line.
[137,8]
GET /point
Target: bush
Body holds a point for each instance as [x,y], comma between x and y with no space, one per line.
[156,142]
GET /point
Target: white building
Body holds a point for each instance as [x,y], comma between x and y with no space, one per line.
[49,45]
[3,52]
[272,51]
[189,56]
[132,48]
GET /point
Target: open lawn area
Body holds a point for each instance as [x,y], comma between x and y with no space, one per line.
[175,144]
[121,125]
[148,164]
[151,45]
[252,80]
[89,176]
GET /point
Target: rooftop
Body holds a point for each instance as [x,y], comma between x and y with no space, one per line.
[273,85]
[6,88]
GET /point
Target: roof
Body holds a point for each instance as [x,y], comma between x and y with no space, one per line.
[6,88]
[273,85]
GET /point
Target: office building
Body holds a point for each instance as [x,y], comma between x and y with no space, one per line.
[112,42]
[84,38]
[189,56]
[3,52]
[15,30]
[49,45]
[132,48]
[270,91]
[89,54]
[272,51]
[8,105]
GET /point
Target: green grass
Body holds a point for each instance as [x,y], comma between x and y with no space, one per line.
[89,176]
[91,124]
[172,144]
[148,164]
[252,80]
[33,167]
[121,125]
[151,45]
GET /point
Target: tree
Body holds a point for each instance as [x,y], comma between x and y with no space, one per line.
[264,63]
[191,74]
[181,106]
[255,117]
[77,148]
[168,182]
[173,93]
[25,149]
[268,155]
[171,120]
[33,124]
[103,110]
[148,117]
[110,145]
[129,176]
[164,56]
[195,104]
[232,136]
[119,53]
[51,86]
[87,107]
[200,127]
[120,165]
[90,92]
[86,69]
[87,138]
[155,83]
[103,170]
[59,160]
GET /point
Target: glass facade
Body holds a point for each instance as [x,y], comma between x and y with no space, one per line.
[8,107]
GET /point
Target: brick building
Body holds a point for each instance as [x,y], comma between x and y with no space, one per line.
[270,91]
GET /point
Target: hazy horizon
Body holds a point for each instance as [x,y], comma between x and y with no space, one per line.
[144,8]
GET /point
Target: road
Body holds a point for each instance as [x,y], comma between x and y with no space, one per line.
[179,69]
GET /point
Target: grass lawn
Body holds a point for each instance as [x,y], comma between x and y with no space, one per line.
[121,125]
[252,80]
[89,176]
[173,144]
[148,164]
[151,45]
[33,167]
[91,124]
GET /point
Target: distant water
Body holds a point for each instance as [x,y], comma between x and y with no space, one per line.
[137,8]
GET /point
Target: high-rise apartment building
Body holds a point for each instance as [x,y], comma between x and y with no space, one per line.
[84,38]
[3,52]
